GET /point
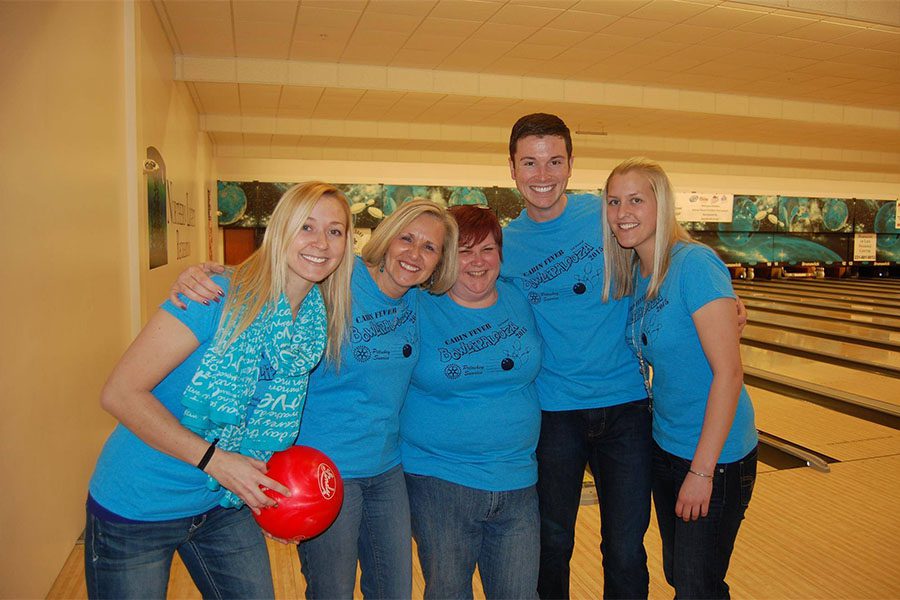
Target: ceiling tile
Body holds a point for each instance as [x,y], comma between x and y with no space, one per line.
[419,8]
[775,24]
[557,37]
[419,59]
[457,27]
[530,16]
[476,10]
[387,22]
[725,17]
[611,7]
[631,27]
[433,42]
[821,31]
[687,34]
[277,11]
[737,39]
[536,51]
[207,37]
[218,98]
[821,51]
[608,41]
[315,16]
[669,11]
[504,32]
[261,39]
[576,20]
[314,51]
[197,10]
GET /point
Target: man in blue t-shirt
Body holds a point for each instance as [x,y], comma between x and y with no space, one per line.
[594,409]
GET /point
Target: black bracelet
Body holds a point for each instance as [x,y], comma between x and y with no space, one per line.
[208,455]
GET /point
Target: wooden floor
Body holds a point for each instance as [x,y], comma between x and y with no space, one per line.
[807,535]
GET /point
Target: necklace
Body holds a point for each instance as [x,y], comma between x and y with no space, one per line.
[639,343]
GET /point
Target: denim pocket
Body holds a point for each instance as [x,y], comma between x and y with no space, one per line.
[748,477]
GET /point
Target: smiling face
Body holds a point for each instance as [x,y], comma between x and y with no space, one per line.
[412,256]
[541,168]
[631,213]
[479,267]
[318,248]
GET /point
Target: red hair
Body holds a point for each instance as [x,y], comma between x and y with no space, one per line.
[476,222]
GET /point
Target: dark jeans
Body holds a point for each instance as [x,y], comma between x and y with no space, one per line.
[616,442]
[372,530]
[223,550]
[696,553]
[457,527]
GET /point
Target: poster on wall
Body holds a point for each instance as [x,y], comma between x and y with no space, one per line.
[864,247]
[155,169]
[708,208]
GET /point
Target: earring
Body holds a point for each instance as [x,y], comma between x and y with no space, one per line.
[381,266]
[431,281]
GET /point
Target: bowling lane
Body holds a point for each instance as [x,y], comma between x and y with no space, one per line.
[884,322]
[820,429]
[806,301]
[860,334]
[886,360]
[848,381]
[785,291]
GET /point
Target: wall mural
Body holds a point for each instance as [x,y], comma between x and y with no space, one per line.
[764,229]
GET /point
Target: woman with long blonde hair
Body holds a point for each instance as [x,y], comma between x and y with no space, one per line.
[353,413]
[682,322]
[203,397]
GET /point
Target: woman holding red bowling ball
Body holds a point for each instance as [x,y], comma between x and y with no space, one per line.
[203,396]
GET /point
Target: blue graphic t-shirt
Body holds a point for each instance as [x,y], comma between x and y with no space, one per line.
[472,415]
[558,266]
[669,342]
[133,480]
[353,413]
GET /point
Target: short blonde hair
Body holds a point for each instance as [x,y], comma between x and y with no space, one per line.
[618,262]
[263,276]
[444,275]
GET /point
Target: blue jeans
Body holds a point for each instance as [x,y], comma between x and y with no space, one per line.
[223,549]
[373,529]
[616,442]
[696,553]
[457,527]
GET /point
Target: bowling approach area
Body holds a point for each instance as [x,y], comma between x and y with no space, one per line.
[822,365]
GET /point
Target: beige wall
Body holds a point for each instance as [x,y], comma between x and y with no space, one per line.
[89,86]
[64,307]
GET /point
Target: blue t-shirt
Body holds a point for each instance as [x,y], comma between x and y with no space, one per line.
[353,413]
[558,266]
[133,480]
[472,415]
[681,374]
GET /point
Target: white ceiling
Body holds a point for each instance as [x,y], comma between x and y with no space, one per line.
[812,84]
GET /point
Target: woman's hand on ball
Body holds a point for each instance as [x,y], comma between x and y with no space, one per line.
[245,477]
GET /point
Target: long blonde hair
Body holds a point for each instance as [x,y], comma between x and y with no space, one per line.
[263,276]
[619,263]
[444,275]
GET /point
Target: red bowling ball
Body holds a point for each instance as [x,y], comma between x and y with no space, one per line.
[317,492]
